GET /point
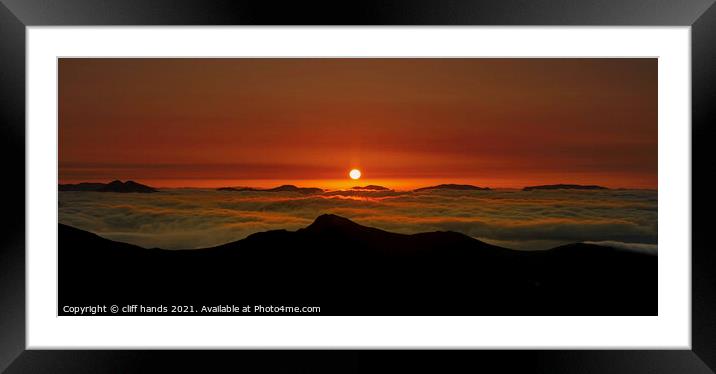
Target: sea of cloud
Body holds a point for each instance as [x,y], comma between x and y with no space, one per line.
[195,218]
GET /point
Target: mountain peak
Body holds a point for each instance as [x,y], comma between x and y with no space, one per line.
[371,187]
[454,187]
[128,186]
[113,186]
[564,187]
[331,224]
[281,188]
[292,188]
[330,221]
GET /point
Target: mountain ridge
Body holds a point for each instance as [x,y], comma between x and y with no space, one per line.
[350,269]
[282,188]
[453,187]
[370,187]
[114,186]
[564,187]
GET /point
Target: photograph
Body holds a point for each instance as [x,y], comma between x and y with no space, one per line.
[195,186]
[354,186]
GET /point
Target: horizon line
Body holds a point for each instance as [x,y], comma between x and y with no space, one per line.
[352,184]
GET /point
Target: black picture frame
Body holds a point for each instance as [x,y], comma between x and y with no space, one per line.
[16,15]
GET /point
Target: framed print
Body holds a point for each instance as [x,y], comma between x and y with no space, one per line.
[522,185]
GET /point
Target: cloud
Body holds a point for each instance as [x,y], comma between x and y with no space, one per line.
[632,247]
[193,218]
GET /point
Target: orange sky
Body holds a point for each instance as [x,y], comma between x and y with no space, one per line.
[403,122]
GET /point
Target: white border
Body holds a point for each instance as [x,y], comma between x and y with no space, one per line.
[671,329]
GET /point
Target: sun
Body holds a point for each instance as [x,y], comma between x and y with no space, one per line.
[354,174]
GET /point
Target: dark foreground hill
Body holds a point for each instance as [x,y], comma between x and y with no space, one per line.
[349,269]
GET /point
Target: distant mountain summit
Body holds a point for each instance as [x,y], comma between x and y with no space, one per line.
[292,188]
[456,187]
[114,186]
[81,186]
[283,188]
[564,187]
[371,187]
[128,186]
[237,189]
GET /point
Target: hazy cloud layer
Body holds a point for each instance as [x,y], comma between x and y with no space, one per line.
[182,218]
[633,247]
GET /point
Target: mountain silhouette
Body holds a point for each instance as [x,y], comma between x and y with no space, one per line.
[238,189]
[81,186]
[371,187]
[292,188]
[283,188]
[457,187]
[564,187]
[350,269]
[114,186]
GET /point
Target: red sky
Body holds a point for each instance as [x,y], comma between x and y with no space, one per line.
[403,122]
